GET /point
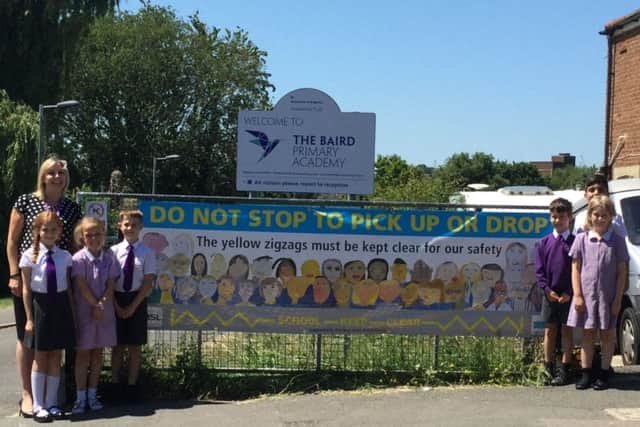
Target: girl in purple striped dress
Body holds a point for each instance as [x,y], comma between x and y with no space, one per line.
[94,273]
[599,276]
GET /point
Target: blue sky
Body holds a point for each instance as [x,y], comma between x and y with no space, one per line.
[521,80]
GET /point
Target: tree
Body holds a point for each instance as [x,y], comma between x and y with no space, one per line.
[570,177]
[396,180]
[151,85]
[18,136]
[462,169]
[36,43]
[391,171]
[515,173]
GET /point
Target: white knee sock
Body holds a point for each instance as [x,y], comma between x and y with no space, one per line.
[81,395]
[51,398]
[38,380]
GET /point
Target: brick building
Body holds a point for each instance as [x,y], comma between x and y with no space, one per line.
[546,168]
[622,126]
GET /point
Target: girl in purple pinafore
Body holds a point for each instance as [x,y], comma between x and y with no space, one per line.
[599,276]
[94,273]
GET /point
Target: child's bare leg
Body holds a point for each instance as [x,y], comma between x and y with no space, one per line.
[135,360]
[82,366]
[24,357]
[95,367]
[586,358]
[54,362]
[607,344]
[586,353]
[567,343]
[550,332]
[117,359]
[40,360]
[562,376]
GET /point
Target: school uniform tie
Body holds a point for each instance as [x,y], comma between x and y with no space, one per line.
[96,268]
[128,270]
[52,281]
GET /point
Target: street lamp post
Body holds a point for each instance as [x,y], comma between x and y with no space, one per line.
[41,108]
[153,171]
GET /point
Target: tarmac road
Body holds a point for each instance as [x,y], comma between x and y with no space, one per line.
[446,406]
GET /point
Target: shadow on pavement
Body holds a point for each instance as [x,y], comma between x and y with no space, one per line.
[625,381]
[140,410]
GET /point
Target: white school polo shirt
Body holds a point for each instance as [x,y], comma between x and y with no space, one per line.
[144,263]
[61,258]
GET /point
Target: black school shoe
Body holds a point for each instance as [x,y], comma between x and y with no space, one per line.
[56,413]
[548,373]
[563,377]
[585,379]
[602,382]
[42,416]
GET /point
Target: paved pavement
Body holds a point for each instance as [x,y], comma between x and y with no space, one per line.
[446,406]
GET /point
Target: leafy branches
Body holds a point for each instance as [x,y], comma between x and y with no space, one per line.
[152,84]
[396,180]
[18,137]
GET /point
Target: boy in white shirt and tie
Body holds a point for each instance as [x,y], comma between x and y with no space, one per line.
[138,264]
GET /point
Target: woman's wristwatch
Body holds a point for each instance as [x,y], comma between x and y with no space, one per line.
[14,275]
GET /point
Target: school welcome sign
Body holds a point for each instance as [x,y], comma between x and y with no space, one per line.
[306,145]
[275,268]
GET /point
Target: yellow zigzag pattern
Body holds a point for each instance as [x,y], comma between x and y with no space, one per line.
[517,326]
[174,321]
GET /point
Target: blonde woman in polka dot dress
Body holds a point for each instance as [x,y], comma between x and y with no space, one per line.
[53,180]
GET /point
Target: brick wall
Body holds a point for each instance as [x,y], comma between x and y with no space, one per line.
[625,107]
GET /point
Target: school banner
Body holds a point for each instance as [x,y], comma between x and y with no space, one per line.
[276,268]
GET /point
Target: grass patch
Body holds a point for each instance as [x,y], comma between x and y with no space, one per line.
[238,366]
[6,302]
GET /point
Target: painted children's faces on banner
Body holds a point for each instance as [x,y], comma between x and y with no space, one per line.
[304,268]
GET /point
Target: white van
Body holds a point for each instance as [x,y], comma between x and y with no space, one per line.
[514,198]
[625,194]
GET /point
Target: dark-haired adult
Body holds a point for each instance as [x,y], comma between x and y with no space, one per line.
[49,195]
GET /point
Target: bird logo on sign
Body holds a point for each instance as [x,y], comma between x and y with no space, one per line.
[263,142]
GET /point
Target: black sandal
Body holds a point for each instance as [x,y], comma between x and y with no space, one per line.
[22,413]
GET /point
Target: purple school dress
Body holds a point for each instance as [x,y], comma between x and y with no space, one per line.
[598,278]
[91,333]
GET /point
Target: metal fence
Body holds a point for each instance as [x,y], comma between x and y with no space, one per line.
[239,351]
